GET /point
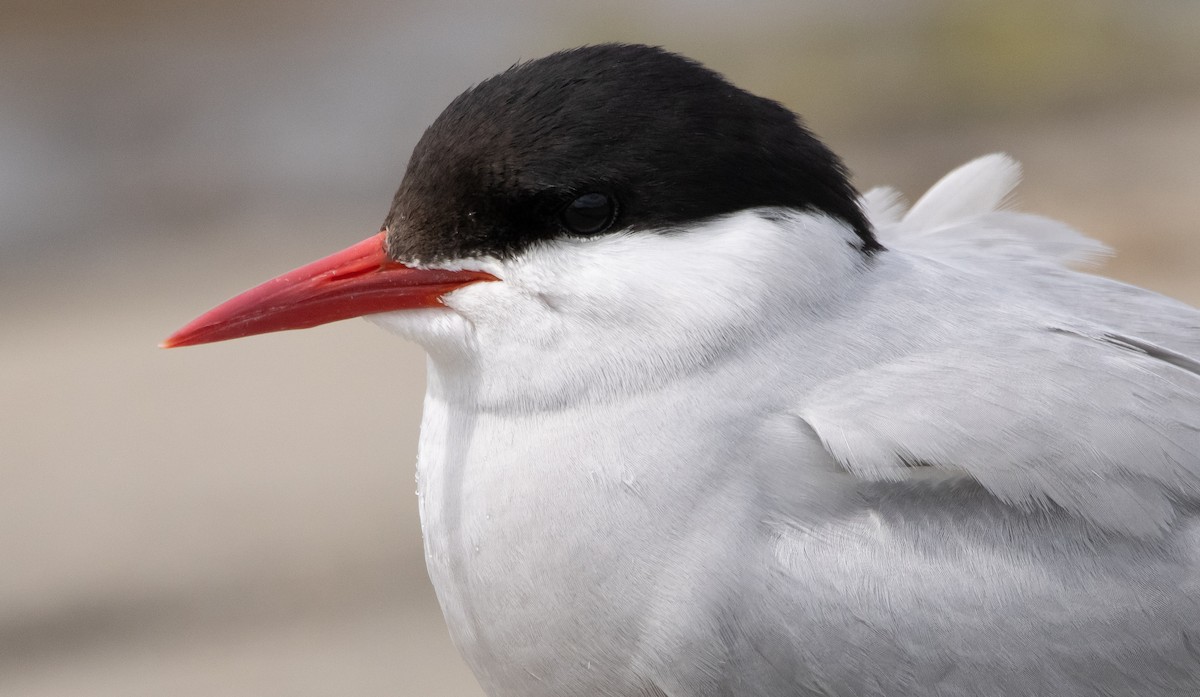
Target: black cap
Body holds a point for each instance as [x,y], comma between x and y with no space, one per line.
[652,140]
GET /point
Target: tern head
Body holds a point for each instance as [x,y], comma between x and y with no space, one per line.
[600,196]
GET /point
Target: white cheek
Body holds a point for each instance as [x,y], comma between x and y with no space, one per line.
[426,326]
[506,314]
[610,314]
[718,274]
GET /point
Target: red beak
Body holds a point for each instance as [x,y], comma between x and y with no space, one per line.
[359,280]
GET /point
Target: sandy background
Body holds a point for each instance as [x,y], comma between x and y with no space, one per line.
[239,519]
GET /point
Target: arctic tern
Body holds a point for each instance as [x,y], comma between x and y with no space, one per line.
[703,421]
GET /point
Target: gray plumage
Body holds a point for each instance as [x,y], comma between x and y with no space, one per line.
[747,462]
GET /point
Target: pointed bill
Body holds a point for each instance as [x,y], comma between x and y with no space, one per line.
[359,280]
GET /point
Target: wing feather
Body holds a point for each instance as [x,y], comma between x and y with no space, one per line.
[1108,429]
[1062,390]
[960,219]
[977,187]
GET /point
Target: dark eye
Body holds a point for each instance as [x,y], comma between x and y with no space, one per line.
[589,214]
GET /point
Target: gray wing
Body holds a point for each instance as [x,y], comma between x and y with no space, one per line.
[1105,425]
[1084,393]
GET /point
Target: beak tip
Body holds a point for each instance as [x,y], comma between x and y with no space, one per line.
[183,337]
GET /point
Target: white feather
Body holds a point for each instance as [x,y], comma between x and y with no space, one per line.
[682,462]
[978,187]
[1038,413]
[961,218]
[883,206]
[1050,390]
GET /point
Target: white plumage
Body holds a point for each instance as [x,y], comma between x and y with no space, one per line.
[1062,395]
[702,422]
[747,460]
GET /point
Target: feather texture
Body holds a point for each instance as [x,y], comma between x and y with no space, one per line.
[742,458]
[1104,428]
[961,217]
[980,186]
[1082,394]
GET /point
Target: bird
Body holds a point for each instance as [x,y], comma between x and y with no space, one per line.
[703,421]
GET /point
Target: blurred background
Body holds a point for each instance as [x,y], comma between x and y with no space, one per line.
[239,519]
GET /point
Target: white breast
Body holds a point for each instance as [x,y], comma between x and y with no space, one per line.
[629,487]
[565,545]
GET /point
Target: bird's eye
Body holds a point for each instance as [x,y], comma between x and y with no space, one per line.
[589,214]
